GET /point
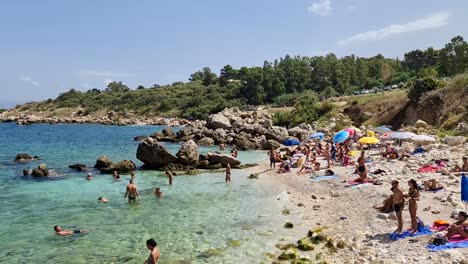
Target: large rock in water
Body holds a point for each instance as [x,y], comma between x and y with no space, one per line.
[78,167]
[217,121]
[103,162]
[206,141]
[188,153]
[243,143]
[154,154]
[24,157]
[223,159]
[123,166]
[40,171]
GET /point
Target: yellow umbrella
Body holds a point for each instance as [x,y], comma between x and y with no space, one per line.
[369,140]
[370,133]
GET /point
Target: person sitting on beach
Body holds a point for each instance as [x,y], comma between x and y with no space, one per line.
[463,168]
[317,166]
[284,167]
[153,258]
[459,227]
[388,151]
[131,192]
[432,185]
[305,169]
[63,232]
[89,177]
[102,199]
[158,192]
[329,173]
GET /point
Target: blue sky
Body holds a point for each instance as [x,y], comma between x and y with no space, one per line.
[51,46]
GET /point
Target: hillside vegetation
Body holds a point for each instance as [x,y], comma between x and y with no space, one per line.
[290,81]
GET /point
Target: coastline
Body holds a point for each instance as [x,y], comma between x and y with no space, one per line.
[366,236]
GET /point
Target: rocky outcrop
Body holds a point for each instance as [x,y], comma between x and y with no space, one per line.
[23,157]
[218,121]
[269,144]
[188,154]
[215,158]
[40,171]
[123,166]
[103,162]
[243,143]
[454,141]
[420,124]
[153,154]
[206,141]
[78,167]
[277,133]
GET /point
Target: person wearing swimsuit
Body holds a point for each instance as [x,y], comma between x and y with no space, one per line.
[62,232]
[153,258]
[398,204]
[131,192]
[362,167]
[413,205]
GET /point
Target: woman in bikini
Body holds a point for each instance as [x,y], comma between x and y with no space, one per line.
[413,204]
[459,227]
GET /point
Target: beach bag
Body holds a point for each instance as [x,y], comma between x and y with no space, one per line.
[441,223]
[438,241]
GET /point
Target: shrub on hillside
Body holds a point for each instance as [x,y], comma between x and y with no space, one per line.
[420,87]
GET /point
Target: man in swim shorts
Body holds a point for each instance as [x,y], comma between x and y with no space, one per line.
[155,253]
[362,167]
[63,232]
[398,204]
[272,155]
[131,192]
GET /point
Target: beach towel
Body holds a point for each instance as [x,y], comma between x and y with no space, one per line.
[357,186]
[439,228]
[357,182]
[422,230]
[430,168]
[436,190]
[323,178]
[454,242]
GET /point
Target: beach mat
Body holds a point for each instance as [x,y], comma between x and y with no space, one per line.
[323,178]
[455,242]
[421,232]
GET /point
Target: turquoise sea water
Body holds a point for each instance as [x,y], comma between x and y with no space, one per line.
[200,219]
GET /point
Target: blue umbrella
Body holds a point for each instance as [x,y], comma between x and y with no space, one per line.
[291,142]
[464,189]
[317,135]
[341,136]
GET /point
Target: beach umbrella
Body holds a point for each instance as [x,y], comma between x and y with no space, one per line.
[385,136]
[291,142]
[317,135]
[350,131]
[423,138]
[356,129]
[382,130]
[341,136]
[401,135]
[464,189]
[368,140]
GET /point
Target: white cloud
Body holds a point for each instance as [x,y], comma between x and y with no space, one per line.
[101,73]
[433,21]
[107,81]
[321,8]
[28,80]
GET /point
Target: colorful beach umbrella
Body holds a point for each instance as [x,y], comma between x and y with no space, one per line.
[317,135]
[291,142]
[368,140]
[382,130]
[350,131]
[341,136]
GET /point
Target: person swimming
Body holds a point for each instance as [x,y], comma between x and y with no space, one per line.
[155,254]
[158,192]
[102,199]
[64,232]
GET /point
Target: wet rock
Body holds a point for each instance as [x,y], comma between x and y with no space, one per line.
[188,153]
[23,157]
[78,167]
[289,254]
[139,138]
[103,162]
[153,154]
[40,171]
[123,166]
[223,159]
[192,172]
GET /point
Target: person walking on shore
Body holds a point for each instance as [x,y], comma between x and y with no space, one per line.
[131,192]
[228,173]
[413,204]
[398,204]
[153,258]
[272,155]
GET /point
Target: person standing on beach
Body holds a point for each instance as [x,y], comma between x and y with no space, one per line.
[228,172]
[398,204]
[326,153]
[272,155]
[169,174]
[362,170]
[153,258]
[413,204]
[131,192]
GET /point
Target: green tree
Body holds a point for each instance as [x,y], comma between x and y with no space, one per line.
[117,87]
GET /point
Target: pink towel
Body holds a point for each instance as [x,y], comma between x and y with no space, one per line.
[457,239]
[439,228]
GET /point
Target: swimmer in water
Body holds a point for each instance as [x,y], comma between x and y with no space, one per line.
[63,232]
[102,199]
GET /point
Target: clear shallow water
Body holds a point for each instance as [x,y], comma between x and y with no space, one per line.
[195,222]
